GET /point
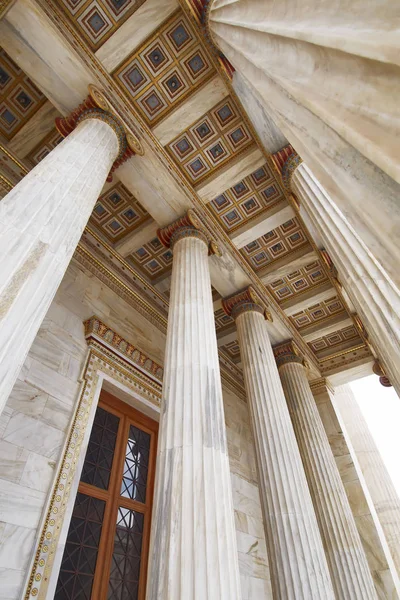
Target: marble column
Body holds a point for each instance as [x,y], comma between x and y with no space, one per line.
[296,556]
[386,582]
[378,481]
[349,569]
[328,76]
[41,221]
[374,296]
[193,550]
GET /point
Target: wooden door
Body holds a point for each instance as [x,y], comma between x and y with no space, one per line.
[106,551]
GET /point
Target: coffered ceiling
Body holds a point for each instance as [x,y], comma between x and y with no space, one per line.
[98,20]
[178,91]
[118,213]
[169,67]
[299,282]
[247,199]
[19,97]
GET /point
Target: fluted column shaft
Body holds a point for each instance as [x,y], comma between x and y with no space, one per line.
[193,551]
[296,556]
[41,221]
[375,297]
[332,91]
[349,569]
[377,478]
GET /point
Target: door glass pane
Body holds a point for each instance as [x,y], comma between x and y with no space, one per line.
[125,565]
[80,555]
[136,465]
[100,453]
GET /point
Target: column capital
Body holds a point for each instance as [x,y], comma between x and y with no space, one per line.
[380,371]
[187,226]
[245,301]
[96,106]
[329,263]
[286,161]
[321,385]
[288,352]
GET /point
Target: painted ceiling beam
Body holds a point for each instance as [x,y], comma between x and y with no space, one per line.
[315,298]
[227,338]
[235,171]
[266,222]
[134,31]
[134,240]
[283,267]
[319,330]
[197,105]
[33,132]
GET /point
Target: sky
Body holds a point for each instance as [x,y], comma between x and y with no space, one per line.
[381,409]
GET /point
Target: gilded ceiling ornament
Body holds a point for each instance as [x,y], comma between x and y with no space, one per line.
[98,97]
[253,296]
[215,249]
[193,219]
[268,316]
[134,143]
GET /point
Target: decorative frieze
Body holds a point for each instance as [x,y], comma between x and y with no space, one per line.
[96,329]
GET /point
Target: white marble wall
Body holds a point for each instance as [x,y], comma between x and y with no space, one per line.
[34,423]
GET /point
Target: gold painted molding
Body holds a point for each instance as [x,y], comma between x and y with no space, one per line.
[321,385]
[95,329]
[5,5]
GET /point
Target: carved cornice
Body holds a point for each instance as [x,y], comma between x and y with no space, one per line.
[287,352]
[96,329]
[123,290]
[245,301]
[230,373]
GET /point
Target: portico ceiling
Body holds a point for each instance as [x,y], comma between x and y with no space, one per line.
[200,149]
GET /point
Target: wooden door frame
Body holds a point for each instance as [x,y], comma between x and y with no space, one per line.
[106,370]
[128,415]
